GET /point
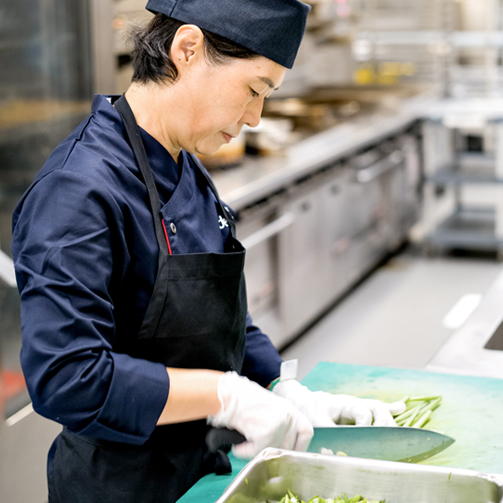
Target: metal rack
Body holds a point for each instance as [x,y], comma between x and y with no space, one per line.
[463,176]
[402,42]
[456,45]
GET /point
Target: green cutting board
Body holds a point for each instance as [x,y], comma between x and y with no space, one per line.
[471,412]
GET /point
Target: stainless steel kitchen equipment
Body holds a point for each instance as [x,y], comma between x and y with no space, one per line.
[463,166]
[304,251]
[258,229]
[273,472]
[309,242]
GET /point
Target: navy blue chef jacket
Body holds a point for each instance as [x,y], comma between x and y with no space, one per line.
[85,254]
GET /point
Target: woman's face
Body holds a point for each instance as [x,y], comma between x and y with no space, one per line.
[218,100]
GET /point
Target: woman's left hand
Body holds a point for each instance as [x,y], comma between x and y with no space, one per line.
[325,409]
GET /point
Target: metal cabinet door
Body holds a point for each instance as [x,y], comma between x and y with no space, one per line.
[366,200]
[374,234]
[258,231]
[405,186]
[302,261]
[337,208]
[260,266]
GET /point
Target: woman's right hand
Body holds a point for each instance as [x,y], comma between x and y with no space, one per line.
[265,419]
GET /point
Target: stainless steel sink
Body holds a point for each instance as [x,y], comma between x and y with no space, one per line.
[273,472]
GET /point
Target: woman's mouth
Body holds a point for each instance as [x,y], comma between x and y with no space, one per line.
[227,137]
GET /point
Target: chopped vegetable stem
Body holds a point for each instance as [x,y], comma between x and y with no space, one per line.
[432,405]
[415,411]
[405,415]
[422,419]
[423,398]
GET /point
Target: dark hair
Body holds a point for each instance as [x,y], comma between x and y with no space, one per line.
[152,46]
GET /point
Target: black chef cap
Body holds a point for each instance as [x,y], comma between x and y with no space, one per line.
[271,28]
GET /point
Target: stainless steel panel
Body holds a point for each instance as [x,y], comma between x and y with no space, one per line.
[367,249]
[273,472]
[258,230]
[325,234]
[269,231]
[367,202]
[336,206]
[406,184]
[302,263]
[260,266]
[371,230]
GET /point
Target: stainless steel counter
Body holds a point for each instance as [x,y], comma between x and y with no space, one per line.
[465,352]
[258,178]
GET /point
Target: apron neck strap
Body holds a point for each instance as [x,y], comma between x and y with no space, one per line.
[133,133]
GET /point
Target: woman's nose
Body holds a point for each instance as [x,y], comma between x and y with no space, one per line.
[253,112]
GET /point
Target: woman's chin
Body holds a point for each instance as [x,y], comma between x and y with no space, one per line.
[207,151]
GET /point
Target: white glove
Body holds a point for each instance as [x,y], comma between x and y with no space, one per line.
[265,419]
[323,409]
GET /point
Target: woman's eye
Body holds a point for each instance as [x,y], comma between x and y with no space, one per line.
[253,93]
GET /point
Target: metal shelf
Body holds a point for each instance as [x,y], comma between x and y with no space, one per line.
[467,228]
[479,171]
[424,37]
[470,226]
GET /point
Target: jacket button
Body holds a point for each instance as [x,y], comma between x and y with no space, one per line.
[229,212]
[173,228]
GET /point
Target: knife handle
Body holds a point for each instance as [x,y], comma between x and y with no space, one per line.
[223,438]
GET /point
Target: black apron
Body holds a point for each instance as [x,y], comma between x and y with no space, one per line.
[196,318]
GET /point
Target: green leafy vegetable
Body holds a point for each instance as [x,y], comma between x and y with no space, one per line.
[292,498]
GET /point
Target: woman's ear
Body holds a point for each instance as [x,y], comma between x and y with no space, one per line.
[187,46]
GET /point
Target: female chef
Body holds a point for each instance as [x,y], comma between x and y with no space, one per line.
[136,336]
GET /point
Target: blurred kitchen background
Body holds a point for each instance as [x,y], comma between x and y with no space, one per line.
[370,198]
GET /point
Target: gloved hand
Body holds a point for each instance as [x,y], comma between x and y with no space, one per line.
[265,419]
[323,409]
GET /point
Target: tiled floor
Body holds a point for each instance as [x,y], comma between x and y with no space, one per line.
[395,317]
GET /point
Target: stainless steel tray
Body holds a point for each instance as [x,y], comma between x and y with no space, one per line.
[274,471]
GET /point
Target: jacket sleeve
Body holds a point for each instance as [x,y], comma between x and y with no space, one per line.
[262,361]
[69,257]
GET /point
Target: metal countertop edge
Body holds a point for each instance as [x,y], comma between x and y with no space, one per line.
[464,353]
[329,146]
